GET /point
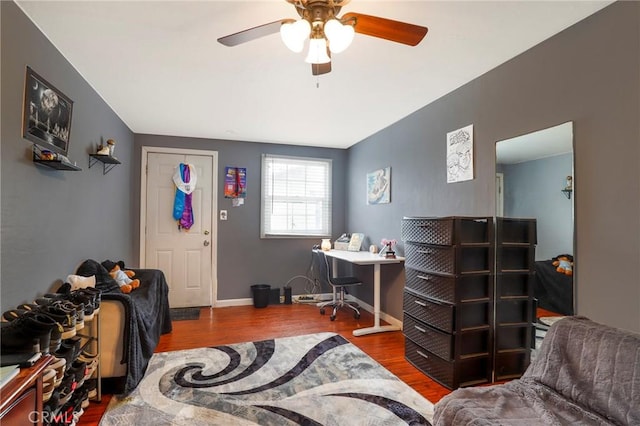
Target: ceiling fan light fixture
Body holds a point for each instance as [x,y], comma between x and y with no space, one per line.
[317,52]
[294,34]
[339,35]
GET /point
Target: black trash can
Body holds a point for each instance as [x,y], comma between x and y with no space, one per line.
[260,295]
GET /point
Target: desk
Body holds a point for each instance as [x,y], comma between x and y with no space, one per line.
[366,258]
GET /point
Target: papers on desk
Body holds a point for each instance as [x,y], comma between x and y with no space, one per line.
[7,373]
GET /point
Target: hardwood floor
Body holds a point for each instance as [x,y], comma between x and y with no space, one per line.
[245,323]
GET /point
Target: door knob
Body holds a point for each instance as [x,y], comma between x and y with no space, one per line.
[206,232]
[206,243]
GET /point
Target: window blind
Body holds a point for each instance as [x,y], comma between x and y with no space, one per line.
[296,197]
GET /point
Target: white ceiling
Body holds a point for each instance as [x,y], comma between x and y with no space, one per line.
[544,143]
[159,66]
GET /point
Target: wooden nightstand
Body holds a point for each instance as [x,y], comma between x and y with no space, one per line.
[21,398]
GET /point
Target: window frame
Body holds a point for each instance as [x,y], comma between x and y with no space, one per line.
[267,199]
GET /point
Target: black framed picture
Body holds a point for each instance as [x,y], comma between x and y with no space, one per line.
[46,116]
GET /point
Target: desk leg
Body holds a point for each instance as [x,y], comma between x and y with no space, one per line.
[377,328]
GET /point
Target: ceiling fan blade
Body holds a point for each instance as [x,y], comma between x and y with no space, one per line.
[387,29]
[253,33]
[319,69]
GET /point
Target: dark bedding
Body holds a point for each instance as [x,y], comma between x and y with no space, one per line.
[553,290]
[146,315]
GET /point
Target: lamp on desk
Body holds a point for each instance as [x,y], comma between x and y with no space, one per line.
[326,244]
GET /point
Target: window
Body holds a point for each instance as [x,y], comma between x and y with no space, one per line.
[296,197]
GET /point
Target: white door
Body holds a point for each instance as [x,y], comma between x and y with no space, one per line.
[185,256]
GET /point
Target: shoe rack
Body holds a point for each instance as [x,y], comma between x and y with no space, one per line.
[91,342]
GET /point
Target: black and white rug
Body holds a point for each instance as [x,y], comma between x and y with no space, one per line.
[315,379]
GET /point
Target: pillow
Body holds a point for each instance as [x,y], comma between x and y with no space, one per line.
[104,282]
[79,281]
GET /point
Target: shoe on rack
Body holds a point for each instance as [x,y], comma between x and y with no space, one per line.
[30,332]
[92,387]
[77,310]
[64,416]
[48,383]
[61,302]
[74,344]
[82,299]
[63,316]
[65,352]
[56,329]
[12,314]
[92,364]
[60,366]
[67,387]
[79,370]
[94,294]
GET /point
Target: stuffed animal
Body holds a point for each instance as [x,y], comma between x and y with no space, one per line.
[564,264]
[121,276]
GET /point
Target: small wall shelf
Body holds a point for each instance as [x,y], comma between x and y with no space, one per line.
[55,164]
[567,192]
[108,162]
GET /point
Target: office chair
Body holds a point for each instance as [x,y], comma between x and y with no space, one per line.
[338,284]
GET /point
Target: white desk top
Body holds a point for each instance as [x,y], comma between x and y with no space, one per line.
[362,257]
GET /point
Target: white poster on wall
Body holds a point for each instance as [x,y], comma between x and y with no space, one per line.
[460,155]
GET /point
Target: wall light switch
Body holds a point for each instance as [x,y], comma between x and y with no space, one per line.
[223,215]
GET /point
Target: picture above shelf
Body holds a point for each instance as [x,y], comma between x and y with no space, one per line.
[108,162]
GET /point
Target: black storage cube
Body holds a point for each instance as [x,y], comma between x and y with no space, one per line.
[473,315]
[515,258]
[474,343]
[514,284]
[513,311]
[511,365]
[513,230]
[513,338]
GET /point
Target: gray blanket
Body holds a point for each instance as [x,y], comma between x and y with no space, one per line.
[586,373]
[146,315]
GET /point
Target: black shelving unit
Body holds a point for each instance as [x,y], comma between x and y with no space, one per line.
[55,164]
[108,162]
[515,255]
[448,298]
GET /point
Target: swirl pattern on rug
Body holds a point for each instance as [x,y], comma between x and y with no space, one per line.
[315,379]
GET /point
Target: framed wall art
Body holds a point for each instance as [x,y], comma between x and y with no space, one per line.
[379,186]
[46,115]
[460,154]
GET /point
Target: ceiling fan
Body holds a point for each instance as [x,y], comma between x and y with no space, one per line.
[328,33]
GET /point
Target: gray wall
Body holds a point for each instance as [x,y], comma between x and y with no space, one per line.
[588,74]
[533,189]
[52,220]
[243,258]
